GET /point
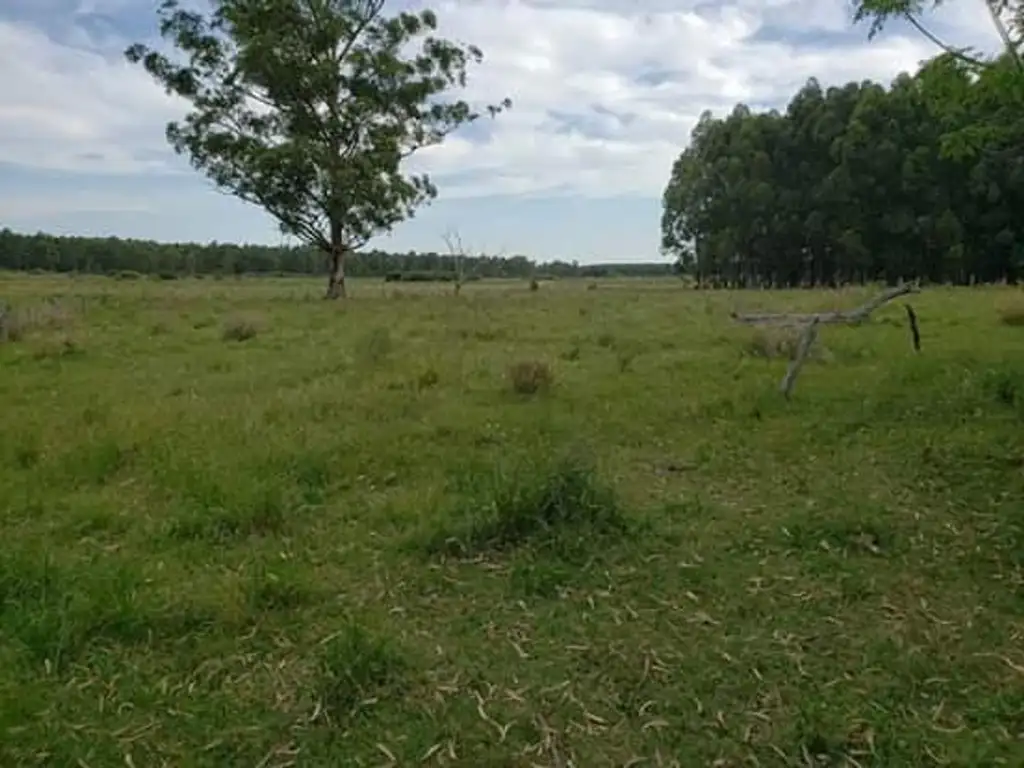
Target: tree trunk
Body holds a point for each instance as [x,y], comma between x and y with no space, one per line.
[336,281]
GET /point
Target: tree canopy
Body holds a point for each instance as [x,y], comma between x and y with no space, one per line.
[307,108]
[923,179]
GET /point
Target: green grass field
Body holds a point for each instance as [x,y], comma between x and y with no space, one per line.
[245,527]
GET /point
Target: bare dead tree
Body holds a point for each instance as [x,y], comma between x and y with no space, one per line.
[453,241]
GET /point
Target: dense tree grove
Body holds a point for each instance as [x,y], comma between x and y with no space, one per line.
[920,180]
[114,256]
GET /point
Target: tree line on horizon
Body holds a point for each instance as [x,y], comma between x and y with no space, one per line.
[859,183]
[124,257]
[923,179]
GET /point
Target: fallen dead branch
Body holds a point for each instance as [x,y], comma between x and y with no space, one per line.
[849,317]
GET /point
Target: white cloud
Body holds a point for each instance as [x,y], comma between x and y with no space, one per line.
[605,93]
[72,108]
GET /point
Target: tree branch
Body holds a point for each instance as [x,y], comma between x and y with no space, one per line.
[915,332]
[803,350]
[850,317]
[1004,34]
[954,52]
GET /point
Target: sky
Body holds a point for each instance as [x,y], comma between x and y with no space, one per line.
[605,95]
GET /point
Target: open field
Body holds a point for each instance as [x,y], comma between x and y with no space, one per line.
[345,541]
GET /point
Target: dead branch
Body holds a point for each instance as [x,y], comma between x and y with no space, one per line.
[915,332]
[804,348]
[849,317]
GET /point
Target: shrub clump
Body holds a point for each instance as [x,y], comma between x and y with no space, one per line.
[1013,316]
[12,327]
[561,504]
[530,377]
[240,329]
[16,323]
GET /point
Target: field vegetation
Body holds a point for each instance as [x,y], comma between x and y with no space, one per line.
[571,526]
[467,520]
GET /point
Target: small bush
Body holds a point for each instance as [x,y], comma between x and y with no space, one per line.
[559,506]
[530,377]
[1005,385]
[357,669]
[12,325]
[240,329]
[1012,316]
[427,379]
[16,323]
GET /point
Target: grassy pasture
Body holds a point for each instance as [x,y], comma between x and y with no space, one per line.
[245,527]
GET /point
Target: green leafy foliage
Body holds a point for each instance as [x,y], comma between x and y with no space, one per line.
[857,183]
[983,96]
[307,108]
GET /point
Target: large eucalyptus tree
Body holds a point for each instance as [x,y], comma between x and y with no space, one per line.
[307,108]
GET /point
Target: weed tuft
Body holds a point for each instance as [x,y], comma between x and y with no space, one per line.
[427,379]
[530,377]
[52,616]
[356,669]
[1005,385]
[376,346]
[562,504]
[267,591]
[57,349]
[240,329]
[263,514]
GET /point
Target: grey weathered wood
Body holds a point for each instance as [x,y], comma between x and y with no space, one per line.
[803,349]
[849,317]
